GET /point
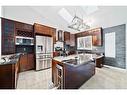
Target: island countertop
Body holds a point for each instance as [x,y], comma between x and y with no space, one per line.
[77,59]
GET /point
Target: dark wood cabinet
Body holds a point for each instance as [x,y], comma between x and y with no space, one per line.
[11,29]
[41,29]
[96,34]
[24,30]
[23,63]
[8,36]
[97,37]
[45,30]
[30,61]
[72,39]
[73,76]
[99,61]
[54,35]
[67,37]
[23,26]
[9,75]
[26,62]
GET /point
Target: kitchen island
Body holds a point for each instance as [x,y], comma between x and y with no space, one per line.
[72,71]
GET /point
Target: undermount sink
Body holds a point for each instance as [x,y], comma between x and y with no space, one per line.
[71,61]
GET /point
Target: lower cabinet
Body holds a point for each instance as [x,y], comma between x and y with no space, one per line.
[26,62]
[9,75]
[99,61]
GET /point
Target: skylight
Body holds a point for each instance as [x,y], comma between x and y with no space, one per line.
[65,15]
[90,9]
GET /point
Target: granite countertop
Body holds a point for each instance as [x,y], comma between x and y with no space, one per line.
[77,59]
[9,59]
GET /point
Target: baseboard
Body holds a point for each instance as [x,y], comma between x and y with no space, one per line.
[116,68]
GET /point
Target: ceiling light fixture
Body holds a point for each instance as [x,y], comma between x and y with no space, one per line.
[78,24]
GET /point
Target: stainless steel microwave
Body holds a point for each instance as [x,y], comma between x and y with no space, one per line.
[24,40]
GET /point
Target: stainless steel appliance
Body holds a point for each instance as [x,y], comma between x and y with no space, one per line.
[44,52]
[24,40]
[59,74]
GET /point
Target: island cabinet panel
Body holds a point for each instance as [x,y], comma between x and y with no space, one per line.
[54,71]
[77,76]
[8,36]
[73,76]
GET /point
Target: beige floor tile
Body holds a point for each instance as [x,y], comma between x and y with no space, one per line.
[105,78]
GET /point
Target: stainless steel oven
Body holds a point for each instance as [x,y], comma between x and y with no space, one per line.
[24,40]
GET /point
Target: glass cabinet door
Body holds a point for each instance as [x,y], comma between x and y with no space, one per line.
[8,29]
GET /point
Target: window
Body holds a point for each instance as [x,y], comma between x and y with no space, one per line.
[110,44]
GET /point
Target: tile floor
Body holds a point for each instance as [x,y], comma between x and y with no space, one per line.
[35,80]
[105,78]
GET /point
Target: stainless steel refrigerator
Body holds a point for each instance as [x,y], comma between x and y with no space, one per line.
[44,52]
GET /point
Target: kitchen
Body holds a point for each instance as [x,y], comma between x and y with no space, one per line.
[62,58]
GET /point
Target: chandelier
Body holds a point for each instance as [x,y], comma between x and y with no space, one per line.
[78,24]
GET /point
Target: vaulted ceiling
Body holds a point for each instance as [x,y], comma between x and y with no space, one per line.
[95,16]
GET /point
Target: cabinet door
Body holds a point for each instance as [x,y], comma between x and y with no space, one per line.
[30,64]
[67,37]
[8,41]
[54,35]
[26,62]
[72,39]
[23,63]
[97,37]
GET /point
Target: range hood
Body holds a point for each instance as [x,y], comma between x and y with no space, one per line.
[60,36]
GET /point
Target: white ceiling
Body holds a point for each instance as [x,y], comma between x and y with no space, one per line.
[103,16]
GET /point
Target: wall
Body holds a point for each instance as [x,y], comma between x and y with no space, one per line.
[0,38]
[120,46]
[126,45]
[120,60]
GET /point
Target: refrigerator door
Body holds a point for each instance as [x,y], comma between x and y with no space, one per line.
[40,44]
[49,45]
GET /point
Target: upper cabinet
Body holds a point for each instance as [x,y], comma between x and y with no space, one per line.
[8,36]
[24,26]
[72,39]
[23,29]
[41,29]
[69,38]
[11,29]
[54,35]
[45,30]
[66,36]
[96,36]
